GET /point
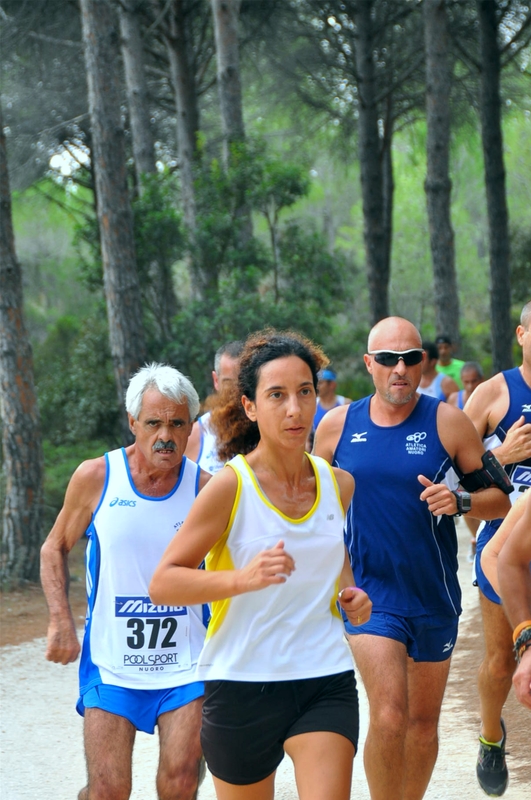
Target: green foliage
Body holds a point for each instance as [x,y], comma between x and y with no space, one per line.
[75,383]
[60,462]
[520,266]
[293,281]
[159,232]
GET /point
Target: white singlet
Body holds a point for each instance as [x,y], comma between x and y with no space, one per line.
[287,631]
[129,641]
[208,458]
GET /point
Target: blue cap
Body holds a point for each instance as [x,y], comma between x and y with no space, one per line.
[327,375]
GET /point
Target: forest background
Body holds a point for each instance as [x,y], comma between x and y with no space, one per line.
[182,172]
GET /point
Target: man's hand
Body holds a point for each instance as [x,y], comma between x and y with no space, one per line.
[440,499]
[356,605]
[62,645]
[517,444]
[522,679]
[267,568]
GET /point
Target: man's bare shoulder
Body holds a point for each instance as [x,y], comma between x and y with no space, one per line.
[204,478]
[491,388]
[488,403]
[334,418]
[88,479]
[329,431]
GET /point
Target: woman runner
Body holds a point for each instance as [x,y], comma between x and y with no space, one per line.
[278,675]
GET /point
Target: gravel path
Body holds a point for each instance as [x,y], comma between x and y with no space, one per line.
[41,752]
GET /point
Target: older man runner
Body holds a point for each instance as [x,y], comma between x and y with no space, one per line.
[500,409]
[400,447]
[138,660]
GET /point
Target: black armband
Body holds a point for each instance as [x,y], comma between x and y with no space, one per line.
[492,474]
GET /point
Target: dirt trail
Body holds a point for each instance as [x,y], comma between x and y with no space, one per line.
[41,751]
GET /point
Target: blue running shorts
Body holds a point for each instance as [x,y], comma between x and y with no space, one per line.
[485,534]
[427,638]
[142,707]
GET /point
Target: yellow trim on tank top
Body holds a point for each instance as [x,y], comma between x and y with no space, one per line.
[333,602]
[219,558]
[269,504]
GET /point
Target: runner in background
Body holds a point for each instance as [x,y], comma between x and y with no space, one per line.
[433,383]
[447,363]
[202,445]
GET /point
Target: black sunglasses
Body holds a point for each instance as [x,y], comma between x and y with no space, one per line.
[390,358]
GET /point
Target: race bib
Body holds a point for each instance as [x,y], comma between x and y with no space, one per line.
[150,638]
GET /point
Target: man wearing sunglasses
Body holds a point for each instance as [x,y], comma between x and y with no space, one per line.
[401,447]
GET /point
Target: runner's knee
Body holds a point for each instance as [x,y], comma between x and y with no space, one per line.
[180,782]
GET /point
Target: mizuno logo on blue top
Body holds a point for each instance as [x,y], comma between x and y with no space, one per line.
[522,475]
[359,437]
[143,607]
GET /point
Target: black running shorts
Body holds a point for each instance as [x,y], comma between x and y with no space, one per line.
[245,724]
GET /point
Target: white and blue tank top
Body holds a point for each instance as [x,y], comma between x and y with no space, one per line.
[129,641]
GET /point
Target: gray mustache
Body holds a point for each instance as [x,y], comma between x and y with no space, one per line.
[163,446]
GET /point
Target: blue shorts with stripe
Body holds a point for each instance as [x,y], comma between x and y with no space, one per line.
[142,707]
[426,638]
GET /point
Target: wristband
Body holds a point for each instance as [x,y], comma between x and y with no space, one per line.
[522,643]
[521,627]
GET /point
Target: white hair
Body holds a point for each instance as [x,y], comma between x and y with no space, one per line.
[168,381]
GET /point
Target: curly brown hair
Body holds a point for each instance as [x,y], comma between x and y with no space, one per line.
[234,431]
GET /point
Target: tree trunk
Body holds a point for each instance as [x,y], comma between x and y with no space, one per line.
[438,186]
[21,437]
[491,133]
[179,47]
[122,291]
[137,92]
[388,185]
[226,17]
[371,167]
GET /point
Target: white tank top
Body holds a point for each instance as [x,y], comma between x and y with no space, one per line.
[287,631]
[129,641]
[208,458]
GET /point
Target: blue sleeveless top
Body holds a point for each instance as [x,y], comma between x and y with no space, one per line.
[519,403]
[402,556]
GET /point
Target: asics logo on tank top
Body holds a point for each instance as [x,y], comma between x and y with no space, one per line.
[414,443]
[117,501]
[359,437]
[526,408]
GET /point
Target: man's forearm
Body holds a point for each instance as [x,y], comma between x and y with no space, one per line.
[515,590]
[489,504]
[55,580]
